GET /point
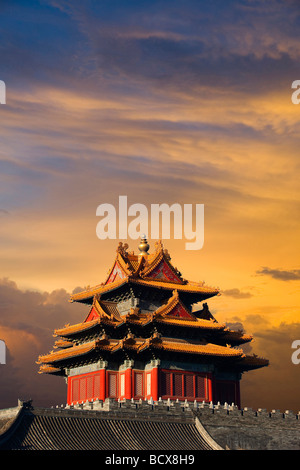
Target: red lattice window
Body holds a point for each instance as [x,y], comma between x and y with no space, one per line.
[90,387]
[189,385]
[166,383]
[177,385]
[75,389]
[84,387]
[200,387]
[183,385]
[96,386]
[112,385]
[138,384]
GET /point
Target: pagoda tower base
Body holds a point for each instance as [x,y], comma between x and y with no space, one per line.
[154,380]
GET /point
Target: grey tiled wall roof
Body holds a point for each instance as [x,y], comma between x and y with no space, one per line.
[51,429]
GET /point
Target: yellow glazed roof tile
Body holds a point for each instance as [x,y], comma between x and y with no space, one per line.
[194,348]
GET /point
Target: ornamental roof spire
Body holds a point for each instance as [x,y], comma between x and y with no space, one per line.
[144,246]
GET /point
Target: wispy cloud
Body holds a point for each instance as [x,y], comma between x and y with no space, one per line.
[3,212]
[237,293]
[27,322]
[280,274]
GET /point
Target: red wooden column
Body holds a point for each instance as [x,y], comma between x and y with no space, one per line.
[148,382]
[125,380]
[102,381]
[128,383]
[154,384]
[102,388]
[238,394]
[155,379]
[210,387]
[69,392]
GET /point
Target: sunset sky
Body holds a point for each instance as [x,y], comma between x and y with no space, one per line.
[165,101]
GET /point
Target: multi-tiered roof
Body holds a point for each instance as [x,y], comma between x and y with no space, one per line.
[144,309]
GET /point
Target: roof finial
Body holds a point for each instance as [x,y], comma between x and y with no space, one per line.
[144,245]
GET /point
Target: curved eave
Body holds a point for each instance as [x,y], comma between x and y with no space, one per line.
[199,292]
[87,326]
[189,288]
[87,296]
[45,369]
[146,319]
[141,320]
[139,344]
[237,338]
[208,349]
[61,343]
[74,351]
[202,324]
[253,362]
[77,328]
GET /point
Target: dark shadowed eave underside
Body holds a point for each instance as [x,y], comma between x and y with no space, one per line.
[56,362]
[192,292]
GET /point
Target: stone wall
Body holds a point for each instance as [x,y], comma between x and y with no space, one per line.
[251,430]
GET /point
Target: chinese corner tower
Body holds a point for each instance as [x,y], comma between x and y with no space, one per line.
[142,340]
